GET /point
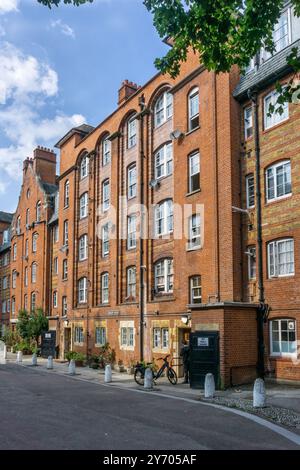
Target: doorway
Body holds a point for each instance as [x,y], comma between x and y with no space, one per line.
[183,335]
[67,341]
[204,358]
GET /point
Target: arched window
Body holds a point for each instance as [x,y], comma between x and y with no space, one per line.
[104,288]
[163,161]
[34,242]
[83,247]
[18,225]
[67,194]
[33,301]
[163,276]
[193,109]
[131,132]
[131,181]
[131,283]
[33,272]
[84,167]
[38,211]
[82,290]
[106,151]
[83,203]
[105,195]
[163,109]
[164,217]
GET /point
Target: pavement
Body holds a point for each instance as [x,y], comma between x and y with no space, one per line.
[42,409]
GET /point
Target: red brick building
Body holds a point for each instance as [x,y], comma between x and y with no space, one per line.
[5,221]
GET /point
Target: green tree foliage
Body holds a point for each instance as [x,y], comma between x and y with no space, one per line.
[32,325]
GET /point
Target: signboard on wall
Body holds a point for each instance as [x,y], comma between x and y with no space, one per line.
[203,342]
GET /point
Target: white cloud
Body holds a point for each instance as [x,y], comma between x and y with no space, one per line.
[2,187]
[26,85]
[64,28]
[8,5]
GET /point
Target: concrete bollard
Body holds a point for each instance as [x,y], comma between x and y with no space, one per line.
[50,362]
[72,367]
[108,374]
[34,360]
[209,386]
[259,394]
[148,379]
[19,356]
[5,352]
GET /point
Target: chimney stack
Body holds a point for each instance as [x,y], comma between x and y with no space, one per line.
[44,164]
[127,89]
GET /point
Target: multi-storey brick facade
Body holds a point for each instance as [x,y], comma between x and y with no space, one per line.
[185,150]
[5,221]
[30,238]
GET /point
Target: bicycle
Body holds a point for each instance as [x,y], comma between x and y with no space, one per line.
[140,370]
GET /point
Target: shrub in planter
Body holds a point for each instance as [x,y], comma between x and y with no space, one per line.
[78,357]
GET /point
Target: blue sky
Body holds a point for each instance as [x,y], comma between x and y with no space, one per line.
[61,67]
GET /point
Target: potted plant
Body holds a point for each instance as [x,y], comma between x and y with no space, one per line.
[78,357]
[121,366]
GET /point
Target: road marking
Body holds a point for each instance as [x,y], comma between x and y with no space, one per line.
[289,435]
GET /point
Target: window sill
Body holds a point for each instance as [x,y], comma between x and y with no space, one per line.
[193,192]
[192,130]
[275,126]
[278,199]
[104,305]
[194,306]
[163,298]
[194,248]
[283,357]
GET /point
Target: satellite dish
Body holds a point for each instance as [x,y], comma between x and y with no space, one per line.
[154,183]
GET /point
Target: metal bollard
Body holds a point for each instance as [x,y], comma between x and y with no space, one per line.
[72,367]
[34,359]
[108,374]
[50,362]
[209,386]
[259,394]
[19,356]
[148,380]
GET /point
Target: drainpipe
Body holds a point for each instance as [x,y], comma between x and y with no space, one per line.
[142,156]
[262,308]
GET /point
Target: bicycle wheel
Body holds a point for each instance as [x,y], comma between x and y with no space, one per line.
[172,376]
[139,376]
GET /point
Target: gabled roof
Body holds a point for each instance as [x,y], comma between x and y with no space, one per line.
[83,130]
[6,217]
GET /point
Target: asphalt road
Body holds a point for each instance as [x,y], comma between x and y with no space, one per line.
[39,410]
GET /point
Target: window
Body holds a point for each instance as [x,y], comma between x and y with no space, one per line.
[105,195]
[163,109]
[54,299]
[194,172]
[28,193]
[26,276]
[164,218]
[160,338]
[131,232]
[193,109]
[18,225]
[163,274]
[27,217]
[3,306]
[131,181]
[251,252]
[65,270]
[131,132]
[195,290]
[38,211]
[283,337]
[33,272]
[78,335]
[131,283]
[56,234]
[250,191]
[82,290]
[194,232]
[248,122]
[14,279]
[278,181]
[100,336]
[127,337]
[274,118]
[4,283]
[164,161]
[281,258]
[106,151]
[83,203]
[5,236]
[105,240]
[25,301]
[64,306]
[55,265]
[104,288]
[67,194]
[281,34]
[14,252]
[84,167]
[33,302]
[26,248]
[13,305]
[34,242]
[66,232]
[83,248]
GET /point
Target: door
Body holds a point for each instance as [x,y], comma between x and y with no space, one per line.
[48,344]
[183,337]
[67,341]
[204,357]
